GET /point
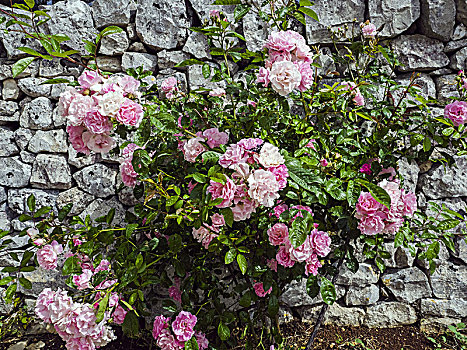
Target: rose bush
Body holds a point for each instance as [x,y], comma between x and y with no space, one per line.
[275,174]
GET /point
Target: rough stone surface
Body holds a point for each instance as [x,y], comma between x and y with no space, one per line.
[8,108]
[365,275]
[446,277]
[3,196]
[50,69]
[438,18]
[37,114]
[53,141]
[97,180]
[17,198]
[100,207]
[114,44]
[400,256]
[80,200]
[10,90]
[458,60]
[32,87]
[418,52]
[168,59]
[108,63]
[7,143]
[51,171]
[197,45]
[407,285]
[22,137]
[409,172]
[362,296]
[343,316]
[436,326]
[333,13]
[446,87]
[395,16]
[390,314]
[296,295]
[136,59]
[446,308]
[449,182]
[14,173]
[111,12]
[161,24]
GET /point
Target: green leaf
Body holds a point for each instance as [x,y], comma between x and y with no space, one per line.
[298,233]
[206,71]
[130,324]
[42,211]
[21,65]
[55,81]
[25,283]
[175,243]
[223,331]
[433,250]
[64,211]
[71,266]
[10,293]
[426,144]
[198,177]
[139,261]
[189,62]
[130,229]
[328,292]
[273,306]
[24,217]
[242,263]
[377,192]
[4,281]
[230,256]
[227,2]
[102,308]
[30,3]
[31,201]
[333,187]
[228,216]
[306,3]
[245,300]
[110,216]
[192,344]
[240,11]
[210,156]
[353,193]
[109,31]
[309,12]
[26,257]
[312,286]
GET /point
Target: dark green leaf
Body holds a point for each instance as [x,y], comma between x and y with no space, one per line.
[26,257]
[25,283]
[426,144]
[206,71]
[21,65]
[240,11]
[102,308]
[227,2]
[130,229]
[380,264]
[191,344]
[10,293]
[230,256]
[242,263]
[312,286]
[42,211]
[64,211]
[189,62]
[223,331]
[245,300]
[298,232]
[273,306]
[130,325]
[309,12]
[328,292]
[228,216]
[377,192]
[55,81]
[31,201]
[71,266]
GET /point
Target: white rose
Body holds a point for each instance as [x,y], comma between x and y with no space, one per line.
[110,103]
[269,156]
[284,77]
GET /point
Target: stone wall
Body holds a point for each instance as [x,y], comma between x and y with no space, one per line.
[35,156]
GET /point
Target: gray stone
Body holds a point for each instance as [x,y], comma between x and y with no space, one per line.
[14,173]
[424,84]
[114,44]
[326,62]
[22,137]
[17,199]
[344,316]
[255,31]
[80,160]
[168,59]
[334,14]
[407,285]
[446,87]
[458,60]
[97,180]
[395,16]
[58,118]
[446,308]
[461,14]
[432,325]
[131,30]
[5,225]
[7,108]
[74,195]
[139,47]
[100,207]
[51,171]
[41,279]
[461,250]
[32,87]
[443,256]
[446,182]
[50,69]
[362,296]
[10,90]
[53,141]
[39,344]
[365,275]
[74,18]
[125,195]
[27,157]
[203,7]
[389,314]
[3,196]
[409,173]
[57,89]
[295,294]
[438,18]
[418,52]
[111,12]
[455,45]
[161,24]
[197,80]
[197,45]
[18,346]
[137,59]
[460,32]
[37,114]
[450,281]
[400,256]
[7,143]
[109,63]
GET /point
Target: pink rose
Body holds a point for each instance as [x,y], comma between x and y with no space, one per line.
[389,170]
[128,173]
[263,76]
[39,242]
[307,76]
[269,156]
[217,92]
[303,252]
[323,162]
[372,224]
[284,77]
[312,265]
[82,281]
[278,210]
[191,186]
[259,290]
[119,315]
[278,234]
[234,154]
[130,113]
[359,100]
[104,265]
[272,264]
[277,56]
[367,205]
[32,232]
[393,226]
[283,257]
[320,242]
[160,323]
[410,203]
[65,100]
[100,143]
[183,326]
[392,188]
[78,108]
[311,145]
[215,138]
[45,298]
[47,255]
[130,149]
[280,41]
[366,169]
[166,341]
[96,123]
[217,220]
[457,112]
[129,84]
[193,148]
[214,14]
[263,187]
[368,30]
[88,78]
[75,134]
[110,103]
[203,236]
[281,172]
[169,84]
[203,343]
[243,210]
[225,191]
[250,143]
[175,294]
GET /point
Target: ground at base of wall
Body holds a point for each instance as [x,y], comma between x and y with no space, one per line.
[295,333]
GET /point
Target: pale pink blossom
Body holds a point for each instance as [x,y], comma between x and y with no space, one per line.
[234,154]
[456,112]
[83,281]
[263,187]
[217,92]
[109,104]
[166,341]
[368,30]
[278,234]
[259,289]
[169,84]
[65,100]
[203,343]
[312,265]
[303,252]
[75,135]
[47,256]
[78,108]
[372,224]
[119,315]
[284,77]
[104,265]
[193,148]
[100,143]
[283,256]
[32,232]
[183,326]
[263,76]
[39,242]
[279,209]
[130,113]
[307,76]
[225,191]
[217,220]
[45,298]
[320,242]
[130,149]
[250,143]
[389,170]
[272,264]
[129,84]
[410,203]
[214,14]
[88,78]
[97,123]
[367,205]
[128,173]
[277,56]
[280,41]
[203,236]
[160,323]
[269,156]
[243,210]
[215,138]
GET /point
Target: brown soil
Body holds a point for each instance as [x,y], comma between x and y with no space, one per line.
[296,335]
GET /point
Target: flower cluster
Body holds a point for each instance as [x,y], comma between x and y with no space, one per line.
[316,244]
[376,218]
[169,87]
[194,147]
[357,96]
[368,30]
[47,256]
[182,330]
[288,67]
[457,112]
[93,107]
[74,322]
[129,175]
